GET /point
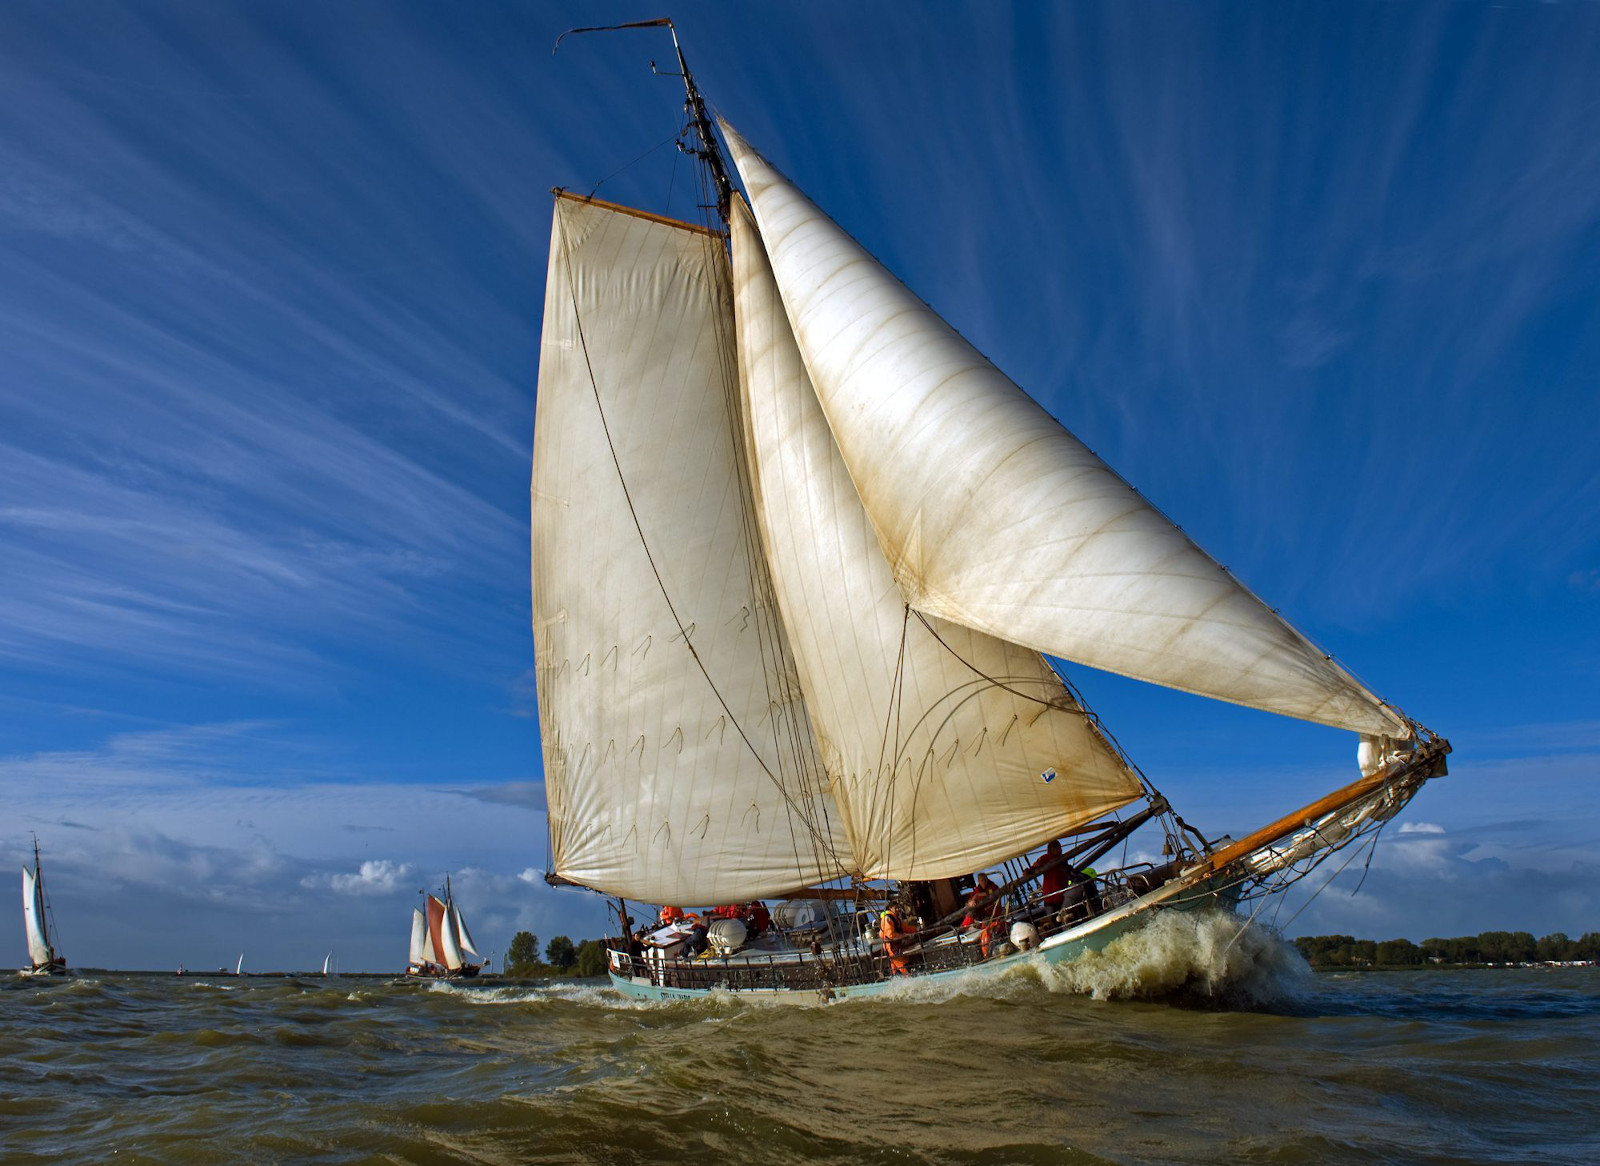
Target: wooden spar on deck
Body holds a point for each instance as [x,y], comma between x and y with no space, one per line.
[1430,758]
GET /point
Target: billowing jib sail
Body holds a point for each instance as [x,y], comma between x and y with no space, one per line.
[669,722]
[449,948]
[463,937]
[33,920]
[938,740]
[994,517]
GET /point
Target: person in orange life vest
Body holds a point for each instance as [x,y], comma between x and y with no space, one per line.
[896,934]
[731,911]
[984,906]
[672,914]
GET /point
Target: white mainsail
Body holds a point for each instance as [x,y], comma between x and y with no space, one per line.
[419,939]
[463,937]
[937,739]
[994,517]
[33,920]
[673,735]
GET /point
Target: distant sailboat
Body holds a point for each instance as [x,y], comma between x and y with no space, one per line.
[36,917]
[238,968]
[441,946]
[326,961]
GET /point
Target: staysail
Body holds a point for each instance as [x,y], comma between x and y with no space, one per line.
[33,920]
[947,749]
[450,949]
[994,517]
[673,734]
[463,937]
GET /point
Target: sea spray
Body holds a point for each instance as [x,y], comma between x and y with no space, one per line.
[1206,956]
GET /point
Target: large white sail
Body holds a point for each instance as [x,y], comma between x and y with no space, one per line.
[449,947]
[419,938]
[938,739]
[33,920]
[995,517]
[463,936]
[674,739]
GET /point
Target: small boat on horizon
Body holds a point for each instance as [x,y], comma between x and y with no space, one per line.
[37,919]
[441,946]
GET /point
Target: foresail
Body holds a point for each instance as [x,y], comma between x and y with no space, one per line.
[33,920]
[463,936]
[674,738]
[994,517]
[947,749]
[450,946]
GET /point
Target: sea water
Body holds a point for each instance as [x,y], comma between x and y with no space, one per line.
[1191,1042]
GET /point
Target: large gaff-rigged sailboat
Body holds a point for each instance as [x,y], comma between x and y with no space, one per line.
[43,958]
[802,558]
[441,946]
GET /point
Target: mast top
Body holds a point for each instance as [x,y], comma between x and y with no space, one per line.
[694,105]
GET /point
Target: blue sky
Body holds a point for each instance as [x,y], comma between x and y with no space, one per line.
[1323,280]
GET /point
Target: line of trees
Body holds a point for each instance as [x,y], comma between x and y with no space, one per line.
[562,957]
[1489,947]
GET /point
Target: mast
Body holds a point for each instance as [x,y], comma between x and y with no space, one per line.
[708,151]
[38,879]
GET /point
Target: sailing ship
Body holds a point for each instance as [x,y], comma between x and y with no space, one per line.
[37,918]
[441,946]
[804,564]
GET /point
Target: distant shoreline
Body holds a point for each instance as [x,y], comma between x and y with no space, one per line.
[1487,949]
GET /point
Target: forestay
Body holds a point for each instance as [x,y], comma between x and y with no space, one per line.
[947,749]
[993,516]
[674,737]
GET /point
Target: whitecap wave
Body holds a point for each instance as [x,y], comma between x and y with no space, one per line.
[1213,956]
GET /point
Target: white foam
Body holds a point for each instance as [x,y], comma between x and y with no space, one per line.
[1213,955]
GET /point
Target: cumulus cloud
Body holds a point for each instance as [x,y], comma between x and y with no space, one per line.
[375,877]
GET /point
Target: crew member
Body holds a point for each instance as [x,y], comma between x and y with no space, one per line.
[896,934]
[1053,879]
[985,908]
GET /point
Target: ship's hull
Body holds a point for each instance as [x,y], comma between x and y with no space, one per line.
[44,971]
[1064,947]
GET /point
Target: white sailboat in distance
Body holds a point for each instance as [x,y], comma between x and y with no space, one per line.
[802,561]
[37,920]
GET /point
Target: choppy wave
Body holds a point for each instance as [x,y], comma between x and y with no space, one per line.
[1213,957]
[1041,1064]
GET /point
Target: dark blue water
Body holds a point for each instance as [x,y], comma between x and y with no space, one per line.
[1266,1063]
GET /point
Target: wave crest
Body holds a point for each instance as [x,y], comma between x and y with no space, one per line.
[1211,957]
